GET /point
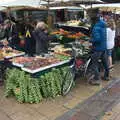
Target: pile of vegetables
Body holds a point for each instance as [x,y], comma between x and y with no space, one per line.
[22,86]
[28,89]
[65,37]
[80,50]
[62,57]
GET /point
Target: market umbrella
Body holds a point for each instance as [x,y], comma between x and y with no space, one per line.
[21,2]
[117,5]
[86,1]
[111,1]
[114,7]
[70,2]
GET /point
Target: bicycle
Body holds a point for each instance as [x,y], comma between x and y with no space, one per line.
[79,65]
[72,73]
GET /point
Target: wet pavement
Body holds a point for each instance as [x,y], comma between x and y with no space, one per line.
[84,102]
[99,106]
[95,107]
[112,114]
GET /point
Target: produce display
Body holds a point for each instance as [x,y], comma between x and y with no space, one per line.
[81,49]
[76,35]
[76,23]
[4,42]
[68,36]
[60,49]
[8,52]
[60,32]
[22,86]
[22,60]
[62,57]
[33,63]
[40,62]
[73,23]
[27,89]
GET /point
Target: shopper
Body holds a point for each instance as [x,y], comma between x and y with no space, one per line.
[11,33]
[98,40]
[42,38]
[2,31]
[29,39]
[118,27]
[110,40]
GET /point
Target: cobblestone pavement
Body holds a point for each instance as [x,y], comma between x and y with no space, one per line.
[97,105]
[72,106]
[100,104]
[113,113]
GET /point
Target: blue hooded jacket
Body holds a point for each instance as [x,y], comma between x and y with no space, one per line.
[99,36]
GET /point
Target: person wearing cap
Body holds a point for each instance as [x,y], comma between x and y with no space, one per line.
[11,32]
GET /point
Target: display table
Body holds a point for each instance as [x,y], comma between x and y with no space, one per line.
[31,86]
[82,29]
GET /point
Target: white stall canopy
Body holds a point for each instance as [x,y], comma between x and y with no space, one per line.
[34,3]
[114,7]
[58,3]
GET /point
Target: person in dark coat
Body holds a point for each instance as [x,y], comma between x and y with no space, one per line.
[29,39]
[2,32]
[99,44]
[42,38]
[11,33]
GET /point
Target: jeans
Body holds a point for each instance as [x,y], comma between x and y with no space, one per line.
[102,55]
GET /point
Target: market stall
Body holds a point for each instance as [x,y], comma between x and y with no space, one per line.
[31,79]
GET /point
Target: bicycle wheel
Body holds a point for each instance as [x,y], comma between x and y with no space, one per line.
[68,81]
[89,72]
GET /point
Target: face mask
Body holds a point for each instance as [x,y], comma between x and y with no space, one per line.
[101,18]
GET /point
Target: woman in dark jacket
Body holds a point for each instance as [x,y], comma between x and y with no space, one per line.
[11,33]
[41,37]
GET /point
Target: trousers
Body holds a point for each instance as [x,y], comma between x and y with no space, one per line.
[95,57]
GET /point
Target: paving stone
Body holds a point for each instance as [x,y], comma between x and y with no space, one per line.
[60,100]
[51,110]
[72,103]
[105,97]
[4,116]
[28,115]
[67,115]
[83,92]
[94,106]
[82,116]
[115,113]
[10,106]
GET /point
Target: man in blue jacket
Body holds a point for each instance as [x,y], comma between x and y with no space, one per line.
[98,40]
